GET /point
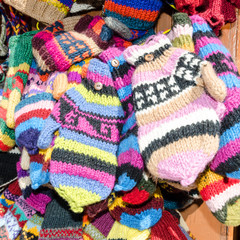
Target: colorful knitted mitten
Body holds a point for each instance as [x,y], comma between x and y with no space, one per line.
[42,10]
[141,216]
[209,47]
[181,32]
[222,196]
[132,19]
[60,223]
[130,162]
[19,64]
[178,121]
[89,118]
[62,49]
[32,228]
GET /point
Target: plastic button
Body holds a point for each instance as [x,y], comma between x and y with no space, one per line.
[98,86]
[149,57]
[115,63]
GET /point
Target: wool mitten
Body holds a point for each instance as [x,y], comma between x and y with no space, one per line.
[99,228]
[15,218]
[120,231]
[8,162]
[132,19]
[90,37]
[181,32]
[32,228]
[41,10]
[89,118]
[38,200]
[209,47]
[141,216]
[60,223]
[130,162]
[222,196]
[178,121]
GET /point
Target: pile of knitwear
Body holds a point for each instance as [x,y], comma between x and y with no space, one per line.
[108,129]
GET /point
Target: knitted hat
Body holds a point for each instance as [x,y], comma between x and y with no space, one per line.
[141,216]
[60,223]
[215,12]
[8,162]
[131,19]
[209,47]
[123,232]
[181,32]
[62,49]
[99,228]
[177,119]
[42,10]
[89,118]
[130,162]
[222,196]
[32,228]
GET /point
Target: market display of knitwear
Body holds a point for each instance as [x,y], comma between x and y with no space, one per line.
[108,127]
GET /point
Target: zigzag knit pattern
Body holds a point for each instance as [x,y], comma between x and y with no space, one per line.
[209,47]
[178,121]
[130,162]
[83,162]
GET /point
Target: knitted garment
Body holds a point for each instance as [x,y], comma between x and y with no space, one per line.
[60,223]
[131,19]
[89,118]
[15,218]
[167,228]
[47,11]
[215,12]
[3,36]
[141,216]
[143,191]
[32,228]
[123,232]
[86,5]
[57,51]
[130,162]
[181,32]
[38,200]
[97,209]
[99,228]
[222,196]
[178,121]
[209,47]
[8,162]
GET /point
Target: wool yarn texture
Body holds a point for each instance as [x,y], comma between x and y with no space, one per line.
[176,117]
[60,223]
[221,195]
[81,6]
[43,10]
[141,216]
[89,118]
[18,70]
[209,47]
[130,162]
[181,32]
[132,19]
[32,228]
[62,49]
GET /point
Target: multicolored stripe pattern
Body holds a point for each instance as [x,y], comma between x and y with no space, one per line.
[222,196]
[130,162]
[178,121]
[83,163]
[135,14]
[209,47]
[63,49]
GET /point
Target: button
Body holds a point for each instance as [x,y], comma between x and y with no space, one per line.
[115,63]
[149,57]
[98,86]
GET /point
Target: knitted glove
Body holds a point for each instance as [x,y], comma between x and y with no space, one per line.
[89,118]
[178,122]
[61,50]
[130,162]
[210,48]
